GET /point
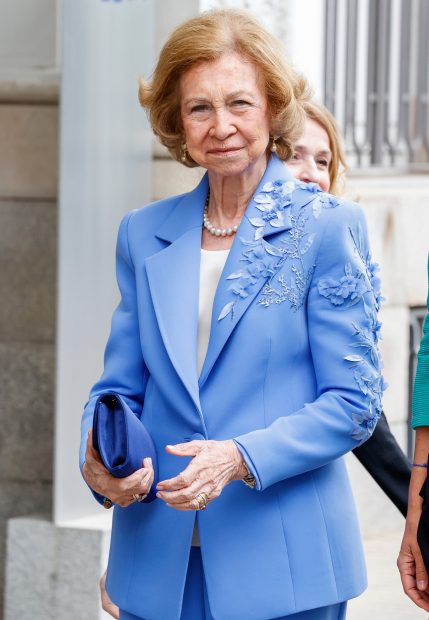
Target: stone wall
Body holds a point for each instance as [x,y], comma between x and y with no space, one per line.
[28,230]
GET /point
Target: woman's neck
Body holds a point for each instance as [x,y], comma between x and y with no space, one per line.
[229,196]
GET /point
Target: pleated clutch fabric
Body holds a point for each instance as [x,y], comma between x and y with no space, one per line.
[121,439]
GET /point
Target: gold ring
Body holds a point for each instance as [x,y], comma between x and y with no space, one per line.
[107,503]
[202,501]
[139,497]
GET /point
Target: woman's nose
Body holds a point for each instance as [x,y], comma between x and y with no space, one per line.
[309,173]
[222,126]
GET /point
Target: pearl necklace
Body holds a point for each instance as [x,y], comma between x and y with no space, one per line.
[218,232]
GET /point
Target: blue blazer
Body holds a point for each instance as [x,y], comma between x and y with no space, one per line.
[292,373]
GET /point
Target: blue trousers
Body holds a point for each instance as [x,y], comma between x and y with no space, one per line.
[196,605]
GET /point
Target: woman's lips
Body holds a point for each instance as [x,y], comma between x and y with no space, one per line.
[225,151]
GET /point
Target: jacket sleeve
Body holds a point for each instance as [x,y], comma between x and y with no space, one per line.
[342,305]
[420,415]
[124,368]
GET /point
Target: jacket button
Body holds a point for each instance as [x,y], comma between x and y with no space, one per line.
[197,436]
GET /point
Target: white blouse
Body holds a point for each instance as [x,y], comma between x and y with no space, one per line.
[211,267]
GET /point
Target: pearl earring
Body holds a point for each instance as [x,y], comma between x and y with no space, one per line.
[273,147]
[184,152]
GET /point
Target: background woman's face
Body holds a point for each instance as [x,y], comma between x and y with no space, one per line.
[312,156]
[225,115]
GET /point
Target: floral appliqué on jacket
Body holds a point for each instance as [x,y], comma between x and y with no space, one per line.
[365,363]
[263,260]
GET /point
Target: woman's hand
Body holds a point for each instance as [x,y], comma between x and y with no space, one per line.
[119,490]
[106,603]
[410,563]
[215,464]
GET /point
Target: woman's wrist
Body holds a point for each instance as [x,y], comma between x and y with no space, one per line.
[240,468]
[418,477]
[243,472]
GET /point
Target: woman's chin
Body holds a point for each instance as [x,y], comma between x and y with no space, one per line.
[231,166]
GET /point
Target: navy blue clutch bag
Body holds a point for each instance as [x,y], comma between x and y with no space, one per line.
[121,439]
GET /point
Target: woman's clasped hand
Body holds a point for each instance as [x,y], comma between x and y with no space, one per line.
[213,466]
[120,491]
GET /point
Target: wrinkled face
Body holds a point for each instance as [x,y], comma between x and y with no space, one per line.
[312,156]
[225,115]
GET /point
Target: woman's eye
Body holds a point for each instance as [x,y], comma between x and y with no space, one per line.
[323,162]
[199,108]
[240,103]
[295,157]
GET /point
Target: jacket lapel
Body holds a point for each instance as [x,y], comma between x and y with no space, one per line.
[235,294]
[173,275]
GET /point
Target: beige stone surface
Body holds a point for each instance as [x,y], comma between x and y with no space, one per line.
[32,87]
[394,348]
[27,374]
[18,499]
[28,245]
[172,178]
[28,34]
[398,219]
[29,151]
[377,514]
[160,151]
[58,580]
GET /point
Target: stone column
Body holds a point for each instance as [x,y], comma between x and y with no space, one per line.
[105,170]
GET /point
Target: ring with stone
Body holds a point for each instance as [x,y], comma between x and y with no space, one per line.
[202,501]
[139,497]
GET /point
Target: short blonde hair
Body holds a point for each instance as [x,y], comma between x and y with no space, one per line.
[204,39]
[337,166]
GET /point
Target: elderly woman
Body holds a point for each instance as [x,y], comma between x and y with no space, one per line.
[245,340]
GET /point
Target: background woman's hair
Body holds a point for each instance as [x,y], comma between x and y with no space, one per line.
[204,39]
[337,166]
